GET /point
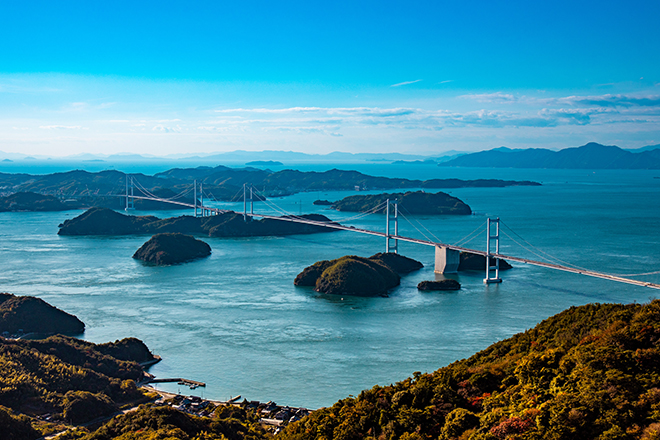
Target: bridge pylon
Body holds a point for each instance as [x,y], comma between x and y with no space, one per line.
[130,206]
[489,238]
[391,242]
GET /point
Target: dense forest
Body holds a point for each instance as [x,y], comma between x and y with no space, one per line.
[590,372]
[165,423]
[72,379]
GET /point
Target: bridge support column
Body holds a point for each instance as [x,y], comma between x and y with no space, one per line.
[391,242]
[195,197]
[244,204]
[446,260]
[490,237]
[129,205]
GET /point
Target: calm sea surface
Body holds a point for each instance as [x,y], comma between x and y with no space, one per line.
[236,322]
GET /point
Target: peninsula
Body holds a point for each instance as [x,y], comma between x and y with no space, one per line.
[82,189]
[28,314]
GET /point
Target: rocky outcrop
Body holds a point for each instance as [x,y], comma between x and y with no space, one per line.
[322,203]
[447,284]
[358,276]
[417,202]
[103,221]
[34,315]
[478,262]
[172,248]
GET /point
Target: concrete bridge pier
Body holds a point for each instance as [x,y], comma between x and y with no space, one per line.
[446,260]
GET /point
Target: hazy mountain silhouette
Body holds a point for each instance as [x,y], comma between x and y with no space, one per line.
[589,156]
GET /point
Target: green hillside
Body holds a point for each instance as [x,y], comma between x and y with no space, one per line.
[590,372]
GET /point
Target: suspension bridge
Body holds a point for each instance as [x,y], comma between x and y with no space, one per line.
[447,256]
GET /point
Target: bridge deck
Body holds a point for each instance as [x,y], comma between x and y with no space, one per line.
[338,226]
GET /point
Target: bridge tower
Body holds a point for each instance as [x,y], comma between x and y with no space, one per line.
[195,197]
[130,206]
[391,243]
[201,198]
[492,225]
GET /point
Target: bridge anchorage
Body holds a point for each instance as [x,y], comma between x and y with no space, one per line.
[447,256]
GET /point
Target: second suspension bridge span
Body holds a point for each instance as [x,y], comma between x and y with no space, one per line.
[447,256]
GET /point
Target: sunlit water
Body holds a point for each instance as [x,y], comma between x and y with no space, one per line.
[236,322]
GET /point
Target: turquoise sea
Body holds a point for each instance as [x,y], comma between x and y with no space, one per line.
[236,322]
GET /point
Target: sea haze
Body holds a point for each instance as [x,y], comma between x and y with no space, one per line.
[236,322]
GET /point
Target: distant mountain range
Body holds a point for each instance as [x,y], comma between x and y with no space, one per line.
[266,157]
[589,156]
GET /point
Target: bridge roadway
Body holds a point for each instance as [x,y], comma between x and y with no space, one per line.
[334,225]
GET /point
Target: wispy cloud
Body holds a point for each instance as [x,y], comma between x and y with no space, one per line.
[60,127]
[405,83]
[446,81]
[613,100]
[498,97]
[166,129]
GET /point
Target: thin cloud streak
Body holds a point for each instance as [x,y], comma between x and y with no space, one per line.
[405,83]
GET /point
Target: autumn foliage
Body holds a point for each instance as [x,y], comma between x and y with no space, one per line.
[590,372]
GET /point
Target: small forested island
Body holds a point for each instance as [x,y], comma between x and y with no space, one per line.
[104,221]
[447,284]
[417,202]
[172,248]
[28,314]
[357,276]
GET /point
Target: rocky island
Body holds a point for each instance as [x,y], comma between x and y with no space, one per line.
[417,202]
[104,221]
[357,276]
[447,284]
[28,314]
[172,248]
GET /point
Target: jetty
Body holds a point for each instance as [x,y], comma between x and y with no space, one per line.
[180,381]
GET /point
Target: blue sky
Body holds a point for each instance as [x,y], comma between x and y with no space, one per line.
[419,77]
